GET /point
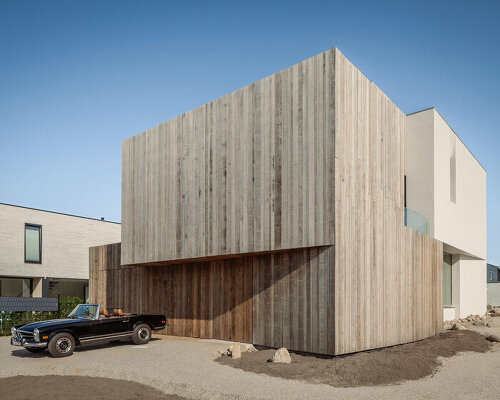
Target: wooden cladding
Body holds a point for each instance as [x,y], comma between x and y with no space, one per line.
[274,299]
[249,172]
[305,170]
[388,278]
[284,298]
[293,304]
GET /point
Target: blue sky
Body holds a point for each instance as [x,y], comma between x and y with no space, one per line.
[76,78]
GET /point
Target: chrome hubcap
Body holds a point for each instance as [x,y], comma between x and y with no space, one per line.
[63,345]
[143,333]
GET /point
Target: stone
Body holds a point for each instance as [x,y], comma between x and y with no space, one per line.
[493,338]
[493,323]
[457,327]
[281,356]
[249,348]
[479,322]
[236,351]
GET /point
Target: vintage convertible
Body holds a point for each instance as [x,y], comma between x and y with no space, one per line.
[87,323]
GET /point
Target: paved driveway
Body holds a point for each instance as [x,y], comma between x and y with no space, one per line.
[185,367]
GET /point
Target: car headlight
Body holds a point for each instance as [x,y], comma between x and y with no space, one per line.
[36,335]
[13,331]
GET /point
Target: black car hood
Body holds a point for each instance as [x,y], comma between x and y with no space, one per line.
[51,322]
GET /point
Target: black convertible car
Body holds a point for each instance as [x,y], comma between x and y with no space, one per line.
[87,323]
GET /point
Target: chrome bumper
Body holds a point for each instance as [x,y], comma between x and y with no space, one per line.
[24,343]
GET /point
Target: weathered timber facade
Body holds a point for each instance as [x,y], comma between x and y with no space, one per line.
[275,215]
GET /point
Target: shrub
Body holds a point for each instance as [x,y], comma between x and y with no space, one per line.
[66,305]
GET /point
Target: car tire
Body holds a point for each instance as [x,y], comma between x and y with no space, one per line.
[62,345]
[142,334]
[35,349]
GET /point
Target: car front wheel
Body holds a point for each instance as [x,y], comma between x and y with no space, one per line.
[62,345]
[142,334]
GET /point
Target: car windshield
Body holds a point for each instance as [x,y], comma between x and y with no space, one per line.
[84,311]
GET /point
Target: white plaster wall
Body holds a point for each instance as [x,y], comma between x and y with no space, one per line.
[493,298]
[449,313]
[65,242]
[461,224]
[468,286]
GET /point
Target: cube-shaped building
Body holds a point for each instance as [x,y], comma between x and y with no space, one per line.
[276,215]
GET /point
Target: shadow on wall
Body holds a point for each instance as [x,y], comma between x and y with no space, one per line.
[220,298]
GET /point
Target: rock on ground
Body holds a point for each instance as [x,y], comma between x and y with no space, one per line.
[236,351]
[281,356]
[493,338]
[249,348]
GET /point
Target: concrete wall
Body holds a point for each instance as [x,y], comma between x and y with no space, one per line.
[65,243]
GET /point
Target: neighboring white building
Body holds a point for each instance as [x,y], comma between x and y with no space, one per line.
[46,254]
[447,185]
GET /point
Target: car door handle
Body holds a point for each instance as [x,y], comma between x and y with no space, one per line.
[126,320]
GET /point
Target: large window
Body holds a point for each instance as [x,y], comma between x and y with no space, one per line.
[447,266]
[32,243]
[15,287]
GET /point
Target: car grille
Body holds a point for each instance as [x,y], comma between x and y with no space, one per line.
[28,336]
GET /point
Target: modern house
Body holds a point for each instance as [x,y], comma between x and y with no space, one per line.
[45,253]
[276,215]
[493,284]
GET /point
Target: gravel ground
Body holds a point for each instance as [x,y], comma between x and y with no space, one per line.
[185,367]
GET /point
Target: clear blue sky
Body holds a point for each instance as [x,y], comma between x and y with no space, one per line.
[78,77]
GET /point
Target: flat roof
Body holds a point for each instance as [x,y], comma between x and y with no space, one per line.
[435,109]
[60,213]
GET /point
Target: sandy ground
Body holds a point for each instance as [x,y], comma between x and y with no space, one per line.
[396,364]
[186,367]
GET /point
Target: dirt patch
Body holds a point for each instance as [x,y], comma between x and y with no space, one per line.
[58,387]
[370,368]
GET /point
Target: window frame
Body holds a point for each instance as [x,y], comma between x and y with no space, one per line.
[26,224]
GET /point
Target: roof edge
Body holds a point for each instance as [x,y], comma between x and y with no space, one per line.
[59,213]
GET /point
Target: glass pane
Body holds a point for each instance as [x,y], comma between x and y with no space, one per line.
[13,287]
[32,243]
[447,280]
[415,221]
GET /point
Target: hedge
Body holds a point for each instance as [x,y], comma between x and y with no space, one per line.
[10,319]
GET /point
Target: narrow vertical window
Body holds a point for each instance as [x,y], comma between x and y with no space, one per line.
[32,243]
[453,174]
[447,276]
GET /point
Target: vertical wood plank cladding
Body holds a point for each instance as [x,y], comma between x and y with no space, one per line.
[248,172]
[290,299]
[250,299]
[387,277]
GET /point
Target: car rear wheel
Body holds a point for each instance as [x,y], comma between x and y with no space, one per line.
[142,334]
[35,349]
[62,345]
